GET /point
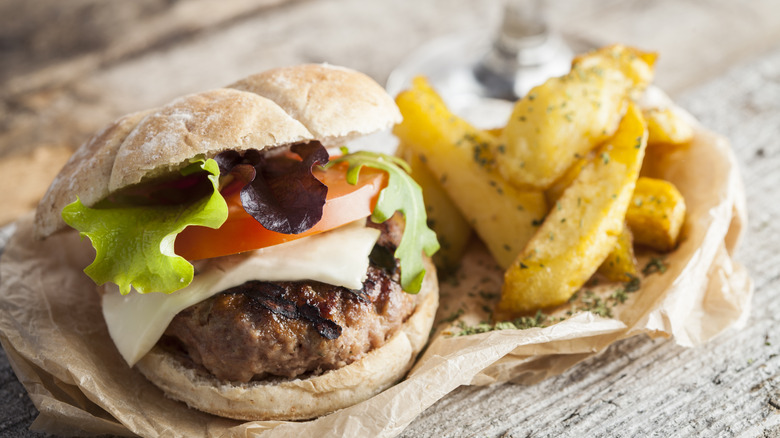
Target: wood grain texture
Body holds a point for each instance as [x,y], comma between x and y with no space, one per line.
[54,42]
[158,53]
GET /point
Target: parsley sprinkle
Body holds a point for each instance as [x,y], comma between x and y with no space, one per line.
[656,264]
[488,295]
[633,284]
[452,317]
[619,296]
[522,323]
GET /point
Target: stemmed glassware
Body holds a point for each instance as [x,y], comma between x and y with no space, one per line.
[479,74]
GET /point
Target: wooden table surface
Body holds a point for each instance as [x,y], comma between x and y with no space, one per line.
[66,68]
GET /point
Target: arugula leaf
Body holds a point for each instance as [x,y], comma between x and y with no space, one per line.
[401,194]
[135,244]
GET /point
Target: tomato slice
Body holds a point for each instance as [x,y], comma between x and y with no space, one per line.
[344,203]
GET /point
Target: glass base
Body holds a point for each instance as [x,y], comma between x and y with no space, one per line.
[474,86]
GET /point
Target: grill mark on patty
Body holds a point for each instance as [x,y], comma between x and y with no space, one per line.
[267,295]
[270,297]
[325,327]
[289,329]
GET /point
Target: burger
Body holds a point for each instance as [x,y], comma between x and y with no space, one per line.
[245,266]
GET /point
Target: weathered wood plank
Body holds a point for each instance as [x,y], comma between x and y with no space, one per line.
[53,106]
[49,43]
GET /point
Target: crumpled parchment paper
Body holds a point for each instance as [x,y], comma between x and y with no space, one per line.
[53,332]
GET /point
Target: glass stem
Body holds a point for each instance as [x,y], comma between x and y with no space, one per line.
[523,53]
[523,25]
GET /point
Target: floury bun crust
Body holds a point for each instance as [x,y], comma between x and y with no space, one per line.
[274,108]
[301,399]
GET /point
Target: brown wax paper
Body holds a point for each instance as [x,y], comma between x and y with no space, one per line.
[56,340]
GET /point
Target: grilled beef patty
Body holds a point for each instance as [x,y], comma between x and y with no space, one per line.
[287,329]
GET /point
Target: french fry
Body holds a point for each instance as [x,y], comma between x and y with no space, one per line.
[564,118]
[666,127]
[458,154]
[581,229]
[656,214]
[496,132]
[621,264]
[452,229]
[635,64]
[554,192]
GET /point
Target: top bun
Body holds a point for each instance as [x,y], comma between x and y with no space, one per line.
[275,108]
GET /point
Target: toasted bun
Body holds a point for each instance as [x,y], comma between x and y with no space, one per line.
[275,108]
[300,399]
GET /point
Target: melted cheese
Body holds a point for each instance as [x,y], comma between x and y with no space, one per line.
[339,257]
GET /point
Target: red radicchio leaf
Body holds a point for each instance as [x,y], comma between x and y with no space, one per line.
[284,195]
[244,173]
[227,161]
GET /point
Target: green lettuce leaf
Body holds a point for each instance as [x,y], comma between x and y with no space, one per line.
[401,194]
[134,244]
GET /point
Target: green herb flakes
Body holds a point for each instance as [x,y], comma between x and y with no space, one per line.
[540,320]
[656,264]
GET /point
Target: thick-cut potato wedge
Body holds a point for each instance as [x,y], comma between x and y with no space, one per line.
[656,214]
[452,229]
[665,126]
[458,155]
[581,229]
[564,118]
[496,132]
[621,264]
[554,192]
[635,64]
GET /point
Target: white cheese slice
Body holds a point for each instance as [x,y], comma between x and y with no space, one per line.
[339,257]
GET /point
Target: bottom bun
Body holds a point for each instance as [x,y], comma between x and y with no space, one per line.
[300,399]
